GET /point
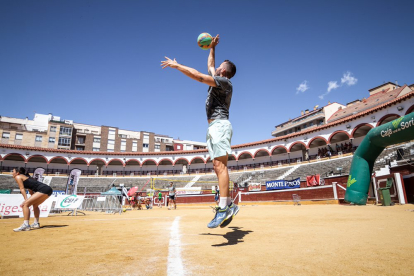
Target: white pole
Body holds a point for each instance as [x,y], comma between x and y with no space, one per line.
[398,183]
[375,190]
[240,196]
[334,190]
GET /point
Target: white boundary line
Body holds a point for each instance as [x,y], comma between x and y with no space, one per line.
[175,264]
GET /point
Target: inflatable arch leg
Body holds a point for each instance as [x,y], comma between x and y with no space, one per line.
[397,131]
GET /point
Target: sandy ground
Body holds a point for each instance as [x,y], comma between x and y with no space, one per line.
[262,240]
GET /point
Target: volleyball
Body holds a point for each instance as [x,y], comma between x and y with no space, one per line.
[204,41]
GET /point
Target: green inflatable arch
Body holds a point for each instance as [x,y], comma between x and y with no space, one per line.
[397,131]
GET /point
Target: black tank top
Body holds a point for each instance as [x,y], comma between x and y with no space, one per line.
[33,184]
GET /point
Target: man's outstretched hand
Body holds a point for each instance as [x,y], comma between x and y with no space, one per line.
[169,63]
[215,41]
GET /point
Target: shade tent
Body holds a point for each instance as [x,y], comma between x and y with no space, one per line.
[112,191]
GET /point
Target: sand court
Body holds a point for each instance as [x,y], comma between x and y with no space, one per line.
[262,240]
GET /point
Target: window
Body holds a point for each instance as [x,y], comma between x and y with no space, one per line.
[178,147]
[52,128]
[65,131]
[96,140]
[80,140]
[95,149]
[19,136]
[111,142]
[64,141]
[145,145]
[6,135]
[111,132]
[123,143]
[157,147]
[52,139]
[38,138]
[110,150]
[79,148]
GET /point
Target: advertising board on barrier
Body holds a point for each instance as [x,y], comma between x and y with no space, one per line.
[283,184]
[254,187]
[69,201]
[10,206]
[188,191]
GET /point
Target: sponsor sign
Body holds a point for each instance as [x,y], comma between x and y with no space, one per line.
[10,206]
[283,184]
[72,184]
[254,187]
[313,180]
[68,201]
[188,191]
[397,126]
[38,174]
[57,192]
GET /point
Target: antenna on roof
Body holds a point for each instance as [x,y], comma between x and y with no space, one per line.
[396,82]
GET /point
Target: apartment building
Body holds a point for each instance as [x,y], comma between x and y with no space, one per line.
[44,131]
[48,131]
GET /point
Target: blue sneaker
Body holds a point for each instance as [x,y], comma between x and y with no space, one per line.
[220,217]
[234,210]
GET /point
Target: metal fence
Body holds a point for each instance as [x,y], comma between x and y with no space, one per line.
[102,203]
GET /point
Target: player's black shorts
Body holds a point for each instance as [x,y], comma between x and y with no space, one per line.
[45,190]
[172,197]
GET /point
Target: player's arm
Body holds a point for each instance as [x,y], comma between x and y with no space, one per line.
[211,62]
[189,72]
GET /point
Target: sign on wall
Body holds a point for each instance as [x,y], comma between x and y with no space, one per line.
[283,184]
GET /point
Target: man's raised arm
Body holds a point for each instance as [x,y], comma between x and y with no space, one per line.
[188,71]
[211,62]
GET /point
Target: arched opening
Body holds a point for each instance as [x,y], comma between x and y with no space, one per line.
[115,166]
[58,165]
[297,152]
[165,166]
[197,165]
[149,167]
[12,161]
[361,130]
[409,110]
[97,165]
[81,164]
[181,165]
[387,118]
[132,167]
[279,156]
[245,160]
[262,158]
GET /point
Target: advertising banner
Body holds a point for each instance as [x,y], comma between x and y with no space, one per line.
[10,206]
[188,191]
[283,184]
[68,201]
[254,187]
[38,174]
[72,184]
[313,180]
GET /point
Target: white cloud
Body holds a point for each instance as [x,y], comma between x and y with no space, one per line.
[332,85]
[302,87]
[348,79]
[323,95]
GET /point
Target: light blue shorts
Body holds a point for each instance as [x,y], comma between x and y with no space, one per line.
[218,138]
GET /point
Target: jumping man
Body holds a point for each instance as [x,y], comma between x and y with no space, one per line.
[219,131]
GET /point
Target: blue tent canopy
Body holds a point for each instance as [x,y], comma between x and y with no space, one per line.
[112,191]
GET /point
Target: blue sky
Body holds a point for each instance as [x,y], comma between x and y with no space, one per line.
[98,62]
